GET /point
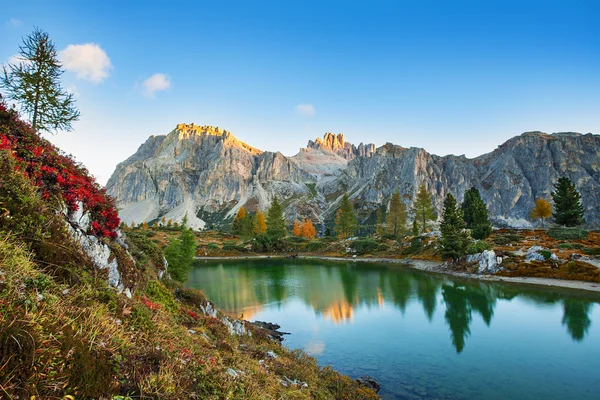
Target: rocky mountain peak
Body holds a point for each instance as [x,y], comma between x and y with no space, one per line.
[186,130]
[338,145]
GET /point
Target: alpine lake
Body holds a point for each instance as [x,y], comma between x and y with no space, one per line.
[422,335]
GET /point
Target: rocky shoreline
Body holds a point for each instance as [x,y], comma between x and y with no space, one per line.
[439,267]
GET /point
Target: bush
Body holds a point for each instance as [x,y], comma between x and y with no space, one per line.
[262,244]
[568,233]
[234,247]
[315,246]
[592,251]
[478,247]
[503,240]
[364,246]
[415,245]
[546,253]
[568,246]
[212,246]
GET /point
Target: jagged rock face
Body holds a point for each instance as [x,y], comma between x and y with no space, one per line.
[336,144]
[208,174]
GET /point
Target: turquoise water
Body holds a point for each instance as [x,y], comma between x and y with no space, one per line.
[422,336]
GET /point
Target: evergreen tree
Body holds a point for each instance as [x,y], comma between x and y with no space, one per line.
[260,225]
[238,221]
[345,220]
[475,214]
[275,221]
[454,240]
[379,222]
[248,226]
[181,252]
[423,208]
[395,221]
[542,211]
[34,83]
[415,228]
[568,210]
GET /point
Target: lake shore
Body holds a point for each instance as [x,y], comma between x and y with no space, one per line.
[438,267]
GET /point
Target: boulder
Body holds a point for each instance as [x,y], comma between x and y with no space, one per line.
[488,262]
[369,382]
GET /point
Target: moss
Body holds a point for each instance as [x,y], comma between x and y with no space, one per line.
[159,293]
[567,233]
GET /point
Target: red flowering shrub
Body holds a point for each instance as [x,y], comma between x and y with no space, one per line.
[57,174]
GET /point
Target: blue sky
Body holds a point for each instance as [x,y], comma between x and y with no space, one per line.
[455,77]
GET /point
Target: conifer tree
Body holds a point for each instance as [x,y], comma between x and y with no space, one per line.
[308,229]
[275,221]
[423,208]
[395,221]
[34,83]
[248,226]
[181,252]
[475,214]
[455,239]
[379,222]
[542,211]
[297,230]
[415,228]
[568,210]
[238,221]
[345,220]
[260,225]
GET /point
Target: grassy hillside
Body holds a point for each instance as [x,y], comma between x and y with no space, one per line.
[65,332]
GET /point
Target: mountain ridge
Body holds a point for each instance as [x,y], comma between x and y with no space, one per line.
[208,173]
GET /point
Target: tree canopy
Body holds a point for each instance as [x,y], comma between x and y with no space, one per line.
[423,208]
[455,239]
[568,210]
[542,210]
[475,214]
[34,84]
[275,221]
[345,220]
[395,221]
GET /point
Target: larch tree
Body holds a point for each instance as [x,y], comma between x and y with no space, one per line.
[542,210]
[181,252]
[308,229]
[395,222]
[297,230]
[260,224]
[568,210]
[33,82]
[238,222]
[423,209]
[345,220]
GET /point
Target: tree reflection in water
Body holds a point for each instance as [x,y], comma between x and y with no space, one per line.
[333,290]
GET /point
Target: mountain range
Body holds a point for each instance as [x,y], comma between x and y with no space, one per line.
[208,174]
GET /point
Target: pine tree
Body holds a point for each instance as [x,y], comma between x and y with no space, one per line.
[395,221]
[297,230]
[260,225]
[568,210]
[423,208]
[345,220]
[455,239]
[238,221]
[379,222]
[308,229]
[542,211]
[275,221]
[415,228]
[247,228]
[34,83]
[181,252]
[475,214]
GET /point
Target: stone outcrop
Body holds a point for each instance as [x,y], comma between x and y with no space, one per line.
[207,173]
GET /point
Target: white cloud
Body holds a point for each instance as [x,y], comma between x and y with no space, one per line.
[15,23]
[88,61]
[156,83]
[306,110]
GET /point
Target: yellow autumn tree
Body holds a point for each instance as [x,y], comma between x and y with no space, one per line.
[145,225]
[541,210]
[260,224]
[163,221]
[238,221]
[308,229]
[297,229]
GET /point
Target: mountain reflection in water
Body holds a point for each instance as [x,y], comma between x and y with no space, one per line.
[334,290]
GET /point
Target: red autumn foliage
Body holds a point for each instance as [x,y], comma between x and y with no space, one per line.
[149,303]
[57,174]
[192,314]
